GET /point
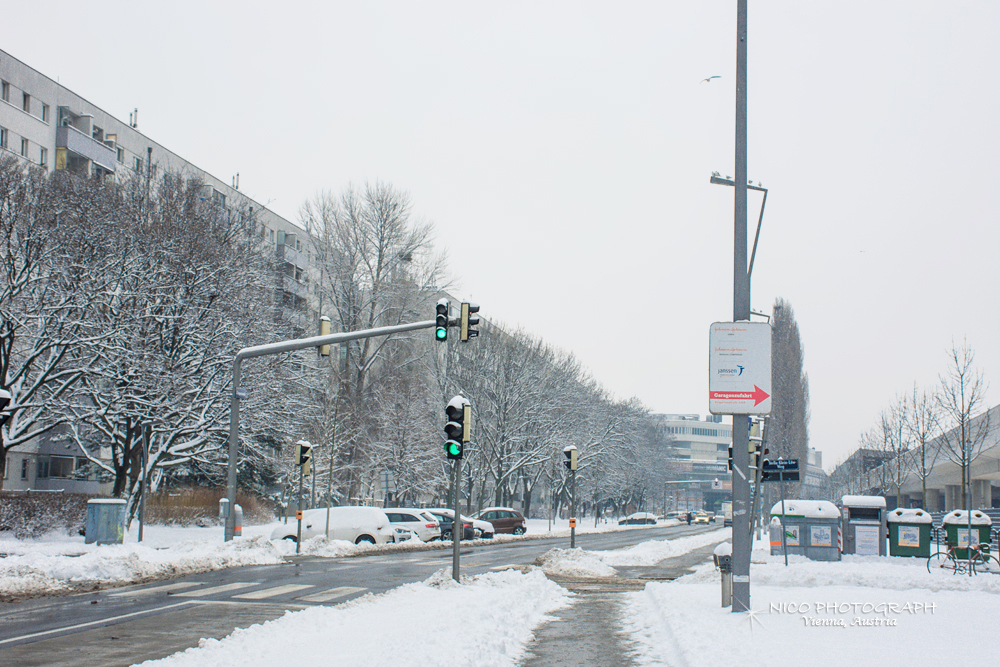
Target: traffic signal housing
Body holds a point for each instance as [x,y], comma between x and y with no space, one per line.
[303,456]
[458,428]
[764,474]
[441,320]
[466,322]
[571,457]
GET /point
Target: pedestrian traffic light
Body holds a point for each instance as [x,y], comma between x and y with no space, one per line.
[571,457]
[303,456]
[466,321]
[730,457]
[458,427]
[441,321]
[764,474]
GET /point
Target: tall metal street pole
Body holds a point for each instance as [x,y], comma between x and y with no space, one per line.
[572,510]
[741,311]
[457,526]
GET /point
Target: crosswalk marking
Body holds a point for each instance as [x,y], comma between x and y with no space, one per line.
[214,590]
[332,594]
[156,589]
[272,592]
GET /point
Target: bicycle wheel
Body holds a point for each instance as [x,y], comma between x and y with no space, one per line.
[940,561]
[986,565]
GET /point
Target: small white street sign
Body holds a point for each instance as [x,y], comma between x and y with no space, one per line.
[739,368]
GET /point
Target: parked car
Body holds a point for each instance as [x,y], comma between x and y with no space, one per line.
[354,524]
[447,518]
[640,518]
[504,520]
[421,522]
[700,517]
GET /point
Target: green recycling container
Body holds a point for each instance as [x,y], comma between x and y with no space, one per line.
[956,528]
[909,532]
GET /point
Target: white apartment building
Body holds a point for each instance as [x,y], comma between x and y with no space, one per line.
[51,127]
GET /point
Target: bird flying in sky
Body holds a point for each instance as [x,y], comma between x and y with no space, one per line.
[710,78]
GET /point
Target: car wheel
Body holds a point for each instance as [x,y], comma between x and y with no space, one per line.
[289,537]
[487,536]
[519,530]
[446,535]
[365,538]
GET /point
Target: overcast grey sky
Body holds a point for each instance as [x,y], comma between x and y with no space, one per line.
[563,151]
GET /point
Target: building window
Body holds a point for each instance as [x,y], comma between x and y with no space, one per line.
[24,147]
[3,137]
[43,156]
[6,92]
[26,99]
[61,466]
[24,468]
[121,155]
[45,112]
[137,163]
[43,469]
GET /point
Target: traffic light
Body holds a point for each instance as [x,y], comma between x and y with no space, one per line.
[303,456]
[571,457]
[730,457]
[764,475]
[441,321]
[465,333]
[458,427]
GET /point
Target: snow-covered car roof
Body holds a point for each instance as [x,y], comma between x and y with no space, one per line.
[491,509]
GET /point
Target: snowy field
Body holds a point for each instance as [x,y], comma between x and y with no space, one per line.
[60,563]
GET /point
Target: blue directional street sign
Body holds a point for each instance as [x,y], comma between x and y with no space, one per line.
[781,465]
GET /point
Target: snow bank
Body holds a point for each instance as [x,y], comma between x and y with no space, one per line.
[413,625]
[573,563]
[63,566]
[961,518]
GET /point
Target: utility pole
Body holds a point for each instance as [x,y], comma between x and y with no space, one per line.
[741,312]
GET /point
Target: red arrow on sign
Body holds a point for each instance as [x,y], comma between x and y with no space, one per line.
[758,395]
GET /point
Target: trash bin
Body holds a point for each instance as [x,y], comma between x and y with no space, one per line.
[812,529]
[224,513]
[105,521]
[909,532]
[956,528]
[865,527]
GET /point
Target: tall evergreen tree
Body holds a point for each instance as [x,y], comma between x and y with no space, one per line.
[788,426]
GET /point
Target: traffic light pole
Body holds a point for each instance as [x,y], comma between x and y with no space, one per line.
[572,510]
[280,348]
[457,527]
[298,515]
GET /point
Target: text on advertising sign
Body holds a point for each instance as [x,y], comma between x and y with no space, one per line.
[739,368]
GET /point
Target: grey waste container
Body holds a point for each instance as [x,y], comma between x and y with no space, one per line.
[105,521]
[865,528]
[812,529]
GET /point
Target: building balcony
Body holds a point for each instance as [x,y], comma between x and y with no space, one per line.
[79,144]
[288,254]
[292,286]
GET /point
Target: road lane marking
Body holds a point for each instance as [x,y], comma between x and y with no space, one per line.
[104,621]
[332,594]
[272,592]
[156,589]
[213,590]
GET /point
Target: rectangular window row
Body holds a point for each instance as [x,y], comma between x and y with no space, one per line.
[26,102]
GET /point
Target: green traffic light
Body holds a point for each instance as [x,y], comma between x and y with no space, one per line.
[452,449]
[441,334]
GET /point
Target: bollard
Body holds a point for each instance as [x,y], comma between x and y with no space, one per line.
[723,557]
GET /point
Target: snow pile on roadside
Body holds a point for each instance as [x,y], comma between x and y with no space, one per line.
[650,553]
[47,570]
[497,613]
[864,610]
[573,563]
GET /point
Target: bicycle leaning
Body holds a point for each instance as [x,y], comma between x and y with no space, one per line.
[980,560]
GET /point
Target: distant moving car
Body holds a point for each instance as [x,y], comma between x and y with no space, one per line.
[447,518]
[503,519]
[421,522]
[354,524]
[639,518]
[700,517]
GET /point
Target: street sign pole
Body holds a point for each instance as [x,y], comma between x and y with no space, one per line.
[457,527]
[572,510]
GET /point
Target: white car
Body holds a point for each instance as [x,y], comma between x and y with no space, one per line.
[422,523]
[354,524]
[480,528]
